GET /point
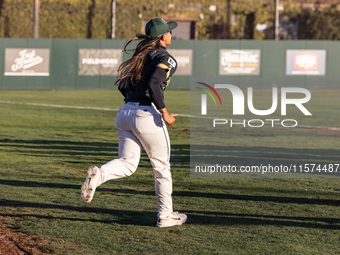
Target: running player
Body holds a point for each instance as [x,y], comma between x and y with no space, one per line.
[141,121]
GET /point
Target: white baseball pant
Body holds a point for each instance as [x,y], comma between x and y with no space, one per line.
[138,127]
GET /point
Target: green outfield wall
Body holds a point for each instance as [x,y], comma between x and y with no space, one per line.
[92,64]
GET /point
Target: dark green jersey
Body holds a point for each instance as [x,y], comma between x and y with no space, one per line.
[160,58]
[140,92]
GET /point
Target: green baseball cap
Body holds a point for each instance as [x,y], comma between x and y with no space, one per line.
[157,27]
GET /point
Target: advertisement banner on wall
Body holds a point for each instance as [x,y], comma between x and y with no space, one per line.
[99,61]
[305,62]
[239,62]
[184,61]
[27,62]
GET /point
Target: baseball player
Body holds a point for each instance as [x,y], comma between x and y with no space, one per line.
[141,121]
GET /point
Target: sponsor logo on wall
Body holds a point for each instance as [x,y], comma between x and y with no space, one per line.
[184,61]
[235,62]
[27,62]
[99,61]
[305,62]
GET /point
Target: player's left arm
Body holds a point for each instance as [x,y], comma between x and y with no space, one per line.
[155,91]
[156,94]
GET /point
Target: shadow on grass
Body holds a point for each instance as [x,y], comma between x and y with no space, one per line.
[38,184]
[67,149]
[240,155]
[221,218]
[183,153]
[54,148]
[276,199]
[234,155]
[141,218]
[194,217]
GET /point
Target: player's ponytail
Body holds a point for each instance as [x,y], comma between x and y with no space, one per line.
[130,71]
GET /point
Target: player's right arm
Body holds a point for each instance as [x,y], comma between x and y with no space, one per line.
[122,90]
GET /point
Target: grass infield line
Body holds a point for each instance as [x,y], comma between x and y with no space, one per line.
[115,110]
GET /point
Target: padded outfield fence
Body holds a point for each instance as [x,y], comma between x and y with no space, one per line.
[92,64]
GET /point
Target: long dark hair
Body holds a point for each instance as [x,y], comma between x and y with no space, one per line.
[130,71]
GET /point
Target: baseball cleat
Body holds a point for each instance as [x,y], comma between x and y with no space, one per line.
[174,219]
[90,184]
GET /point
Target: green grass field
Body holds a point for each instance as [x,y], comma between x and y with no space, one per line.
[45,152]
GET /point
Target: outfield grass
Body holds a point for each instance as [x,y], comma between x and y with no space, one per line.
[45,152]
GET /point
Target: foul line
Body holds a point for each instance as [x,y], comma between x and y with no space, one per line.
[115,110]
[61,106]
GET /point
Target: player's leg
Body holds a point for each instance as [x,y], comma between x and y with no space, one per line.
[159,155]
[160,160]
[129,150]
[153,135]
